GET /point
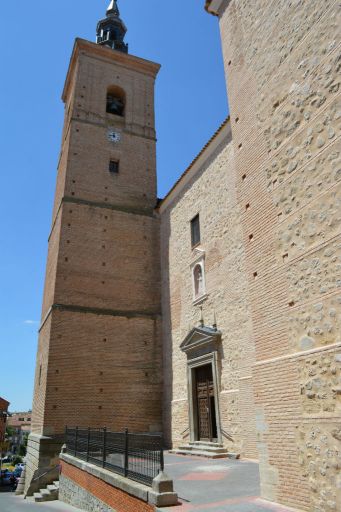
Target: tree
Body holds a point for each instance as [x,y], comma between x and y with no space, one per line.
[22,450]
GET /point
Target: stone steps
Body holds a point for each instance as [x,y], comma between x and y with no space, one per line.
[51,493]
[200,453]
[202,449]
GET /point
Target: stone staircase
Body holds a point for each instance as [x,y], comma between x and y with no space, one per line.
[203,449]
[50,493]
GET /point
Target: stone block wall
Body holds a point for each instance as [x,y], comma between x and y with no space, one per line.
[282,62]
[209,191]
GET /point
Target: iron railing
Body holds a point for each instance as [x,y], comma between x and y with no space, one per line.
[135,456]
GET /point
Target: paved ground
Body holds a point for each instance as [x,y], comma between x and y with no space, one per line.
[11,503]
[203,485]
[220,485]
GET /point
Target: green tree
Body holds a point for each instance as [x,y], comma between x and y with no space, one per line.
[22,450]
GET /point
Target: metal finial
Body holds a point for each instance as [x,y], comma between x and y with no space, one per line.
[215,321]
[113,8]
[201,317]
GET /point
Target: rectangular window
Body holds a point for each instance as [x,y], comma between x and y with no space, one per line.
[114,166]
[195,231]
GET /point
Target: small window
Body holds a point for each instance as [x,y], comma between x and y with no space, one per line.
[195,231]
[114,166]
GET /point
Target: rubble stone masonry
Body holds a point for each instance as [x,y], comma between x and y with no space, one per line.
[282,62]
[211,192]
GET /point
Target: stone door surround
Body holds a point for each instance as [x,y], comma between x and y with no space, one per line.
[201,347]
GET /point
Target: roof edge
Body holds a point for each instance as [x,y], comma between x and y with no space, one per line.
[163,201]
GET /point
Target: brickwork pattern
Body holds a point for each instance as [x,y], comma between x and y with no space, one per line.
[99,353]
[211,193]
[116,499]
[282,61]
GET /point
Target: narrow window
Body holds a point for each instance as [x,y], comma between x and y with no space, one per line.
[39,375]
[195,231]
[114,166]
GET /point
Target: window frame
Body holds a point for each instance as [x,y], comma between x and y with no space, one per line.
[195,231]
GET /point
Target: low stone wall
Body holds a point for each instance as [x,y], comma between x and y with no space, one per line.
[94,489]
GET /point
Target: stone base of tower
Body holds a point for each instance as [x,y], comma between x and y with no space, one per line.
[42,461]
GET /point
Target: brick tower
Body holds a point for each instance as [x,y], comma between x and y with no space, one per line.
[99,352]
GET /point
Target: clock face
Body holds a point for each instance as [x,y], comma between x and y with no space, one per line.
[113,136]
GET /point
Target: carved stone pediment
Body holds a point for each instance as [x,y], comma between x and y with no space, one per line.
[204,339]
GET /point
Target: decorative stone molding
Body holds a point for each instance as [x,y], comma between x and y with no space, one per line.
[201,340]
[198,276]
[201,346]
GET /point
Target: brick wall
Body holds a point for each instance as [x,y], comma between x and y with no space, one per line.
[96,490]
[99,352]
[282,62]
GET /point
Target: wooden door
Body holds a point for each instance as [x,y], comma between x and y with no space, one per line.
[207,429]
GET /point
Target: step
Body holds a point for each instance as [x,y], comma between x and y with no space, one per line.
[206,443]
[52,488]
[201,453]
[47,495]
[206,448]
[56,483]
[37,497]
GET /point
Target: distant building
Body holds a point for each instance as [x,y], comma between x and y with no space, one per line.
[20,422]
[3,417]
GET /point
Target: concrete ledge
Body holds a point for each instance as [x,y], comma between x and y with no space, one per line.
[135,489]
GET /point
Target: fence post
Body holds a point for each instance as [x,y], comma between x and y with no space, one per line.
[162,460]
[88,446]
[126,456]
[76,436]
[104,445]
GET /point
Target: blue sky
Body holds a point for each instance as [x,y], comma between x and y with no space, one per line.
[36,40]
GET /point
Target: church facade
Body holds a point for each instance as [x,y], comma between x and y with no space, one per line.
[214,315]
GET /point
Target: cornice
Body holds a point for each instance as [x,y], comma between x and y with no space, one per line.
[222,134]
[215,7]
[82,46]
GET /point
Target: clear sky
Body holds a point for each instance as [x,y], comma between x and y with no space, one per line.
[36,40]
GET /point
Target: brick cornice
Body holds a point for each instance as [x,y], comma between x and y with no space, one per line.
[94,204]
[152,315]
[83,46]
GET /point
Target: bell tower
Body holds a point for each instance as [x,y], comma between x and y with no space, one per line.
[99,350]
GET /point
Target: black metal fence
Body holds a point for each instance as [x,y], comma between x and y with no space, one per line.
[135,456]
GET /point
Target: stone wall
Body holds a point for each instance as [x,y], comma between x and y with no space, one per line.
[87,492]
[209,191]
[282,62]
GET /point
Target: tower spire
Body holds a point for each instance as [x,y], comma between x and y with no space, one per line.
[113,8]
[111,30]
